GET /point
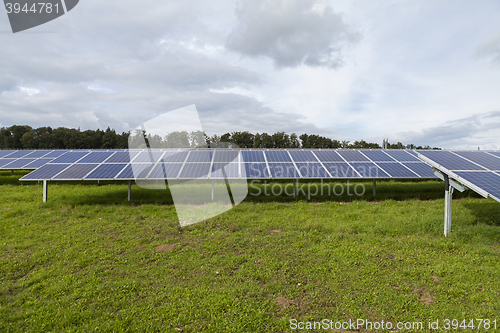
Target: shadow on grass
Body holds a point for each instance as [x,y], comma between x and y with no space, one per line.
[487,212]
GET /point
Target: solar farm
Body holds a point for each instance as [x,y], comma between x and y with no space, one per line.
[84,248]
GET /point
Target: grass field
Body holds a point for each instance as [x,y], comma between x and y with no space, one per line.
[88,260]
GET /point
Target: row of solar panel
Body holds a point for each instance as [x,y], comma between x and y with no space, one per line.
[479,168]
[26,159]
[173,170]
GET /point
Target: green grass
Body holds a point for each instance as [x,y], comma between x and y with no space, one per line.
[87,260]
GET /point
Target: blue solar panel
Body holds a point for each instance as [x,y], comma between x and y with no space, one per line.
[37,163]
[341,170]
[5,153]
[377,155]
[75,171]
[401,155]
[396,170]
[106,171]
[200,156]
[37,153]
[225,170]
[369,170]
[486,160]
[5,161]
[70,157]
[352,156]
[135,171]
[283,170]
[421,169]
[48,171]
[20,153]
[302,156]
[312,170]
[175,156]
[195,170]
[277,156]
[255,170]
[328,156]
[148,156]
[122,157]
[252,156]
[449,160]
[226,156]
[496,153]
[18,164]
[487,181]
[55,153]
[96,157]
[165,171]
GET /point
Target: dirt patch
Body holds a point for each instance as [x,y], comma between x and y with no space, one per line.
[258,261]
[435,278]
[276,230]
[284,302]
[427,300]
[166,247]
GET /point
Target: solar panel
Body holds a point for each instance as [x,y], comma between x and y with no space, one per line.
[449,160]
[135,171]
[37,153]
[5,161]
[487,181]
[352,156]
[48,171]
[255,170]
[277,156]
[421,169]
[226,155]
[369,170]
[496,153]
[70,157]
[122,157]
[195,170]
[55,153]
[37,163]
[165,171]
[148,156]
[19,163]
[396,170]
[225,170]
[482,158]
[302,156]
[20,153]
[252,156]
[175,156]
[401,155]
[96,157]
[5,153]
[200,156]
[377,155]
[75,172]
[106,171]
[283,170]
[312,170]
[328,156]
[341,170]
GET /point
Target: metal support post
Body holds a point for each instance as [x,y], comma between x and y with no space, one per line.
[294,191]
[129,189]
[12,172]
[212,190]
[448,201]
[374,187]
[45,191]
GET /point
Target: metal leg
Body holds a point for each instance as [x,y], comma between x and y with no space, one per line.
[45,191]
[374,188]
[12,172]
[294,192]
[448,201]
[212,190]
[129,189]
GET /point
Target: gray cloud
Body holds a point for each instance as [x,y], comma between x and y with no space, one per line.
[480,130]
[291,32]
[490,48]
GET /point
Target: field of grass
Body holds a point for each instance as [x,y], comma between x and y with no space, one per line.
[88,260]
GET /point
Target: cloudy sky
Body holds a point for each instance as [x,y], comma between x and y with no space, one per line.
[422,72]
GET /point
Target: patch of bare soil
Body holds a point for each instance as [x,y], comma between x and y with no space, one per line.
[166,247]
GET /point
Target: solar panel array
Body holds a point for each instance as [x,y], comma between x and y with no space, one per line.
[28,159]
[478,170]
[231,164]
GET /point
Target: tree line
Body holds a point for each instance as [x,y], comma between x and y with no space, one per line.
[26,137]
